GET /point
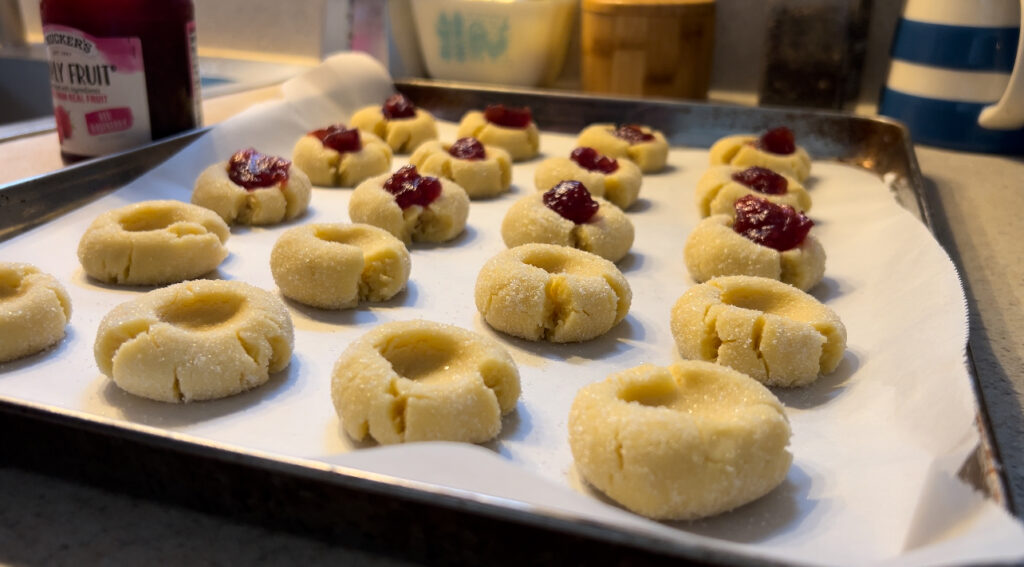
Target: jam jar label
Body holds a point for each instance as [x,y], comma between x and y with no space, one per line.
[99,91]
[193,63]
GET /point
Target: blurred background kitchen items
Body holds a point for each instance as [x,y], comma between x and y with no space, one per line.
[659,48]
[520,42]
[952,78]
[814,52]
[12,25]
[245,44]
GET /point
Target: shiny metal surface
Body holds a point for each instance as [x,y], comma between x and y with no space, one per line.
[31,202]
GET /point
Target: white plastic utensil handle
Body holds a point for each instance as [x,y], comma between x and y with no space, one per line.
[1008,113]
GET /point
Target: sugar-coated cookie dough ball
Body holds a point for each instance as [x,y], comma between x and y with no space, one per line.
[679,443]
[608,233]
[411,206]
[642,145]
[553,293]
[335,265]
[34,310]
[776,150]
[512,129]
[764,328]
[718,189]
[615,180]
[483,171]
[196,340]
[714,249]
[337,156]
[423,381]
[398,122]
[253,188]
[153,243]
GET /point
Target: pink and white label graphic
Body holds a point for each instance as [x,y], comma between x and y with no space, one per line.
[108,121]
[99,87]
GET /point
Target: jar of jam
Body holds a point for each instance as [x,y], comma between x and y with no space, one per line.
[123,72]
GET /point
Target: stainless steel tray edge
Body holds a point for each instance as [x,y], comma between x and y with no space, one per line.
[30,202]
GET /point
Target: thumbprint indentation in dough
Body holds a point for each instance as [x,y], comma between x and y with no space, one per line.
[550,263]
[182,229]
[10,284]
[149,218]
[206,312]
[658,391]
[337,235]
[747,298]
[421,360]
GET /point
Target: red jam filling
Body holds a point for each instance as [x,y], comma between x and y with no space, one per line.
[250,169]
[776,226]
[397,106]
[777,141]
[410,188]
[762,180]
[571,200]
[467,148]
[632,133]
[339,138]
[588,158]
[508,116]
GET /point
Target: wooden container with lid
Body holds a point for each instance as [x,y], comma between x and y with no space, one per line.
[659,48]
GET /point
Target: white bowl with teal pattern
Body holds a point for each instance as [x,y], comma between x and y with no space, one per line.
[521,42]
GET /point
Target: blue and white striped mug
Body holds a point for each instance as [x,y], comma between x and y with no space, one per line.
[953,79]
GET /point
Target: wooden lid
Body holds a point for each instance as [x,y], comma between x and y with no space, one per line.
[644,7]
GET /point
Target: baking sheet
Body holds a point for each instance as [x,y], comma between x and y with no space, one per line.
[877,444]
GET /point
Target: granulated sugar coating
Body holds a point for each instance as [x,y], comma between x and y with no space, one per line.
[716,191]
[34,310]
[327,167]
[521,143]
[152,243]
[621,186]
[283,200]
[648,150]
[423,381]
[714,249]
[337,265]
[553,293]
[440,221]
[740,150]
[482,177]
[764,328]
[682,442]
[197,340]
[609,233]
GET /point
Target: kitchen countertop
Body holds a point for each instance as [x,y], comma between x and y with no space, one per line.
[977,218]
